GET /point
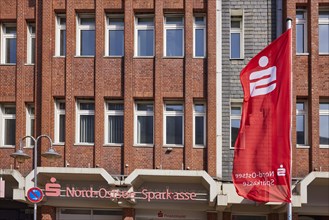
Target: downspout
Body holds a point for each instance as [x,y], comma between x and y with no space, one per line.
[219,88]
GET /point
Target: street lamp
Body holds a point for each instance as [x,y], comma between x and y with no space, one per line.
[20,156]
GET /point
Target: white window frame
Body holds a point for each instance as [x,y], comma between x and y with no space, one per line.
[200,114]
[237,15]
[109,113]
[29,117]
[173,27]
[234,117]
[59,27]
[79,28]
[142,113]
[305,114]
[3,117]
[304,23]
[143,27]
[3,42]
[58,113]
[30,37]
[203,27]
[81,113]
[325,113]
[322,22]
[112,28]
[172,113]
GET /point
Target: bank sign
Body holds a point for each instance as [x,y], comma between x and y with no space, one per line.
[54,189]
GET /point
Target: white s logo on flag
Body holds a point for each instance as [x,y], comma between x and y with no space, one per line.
[261,80]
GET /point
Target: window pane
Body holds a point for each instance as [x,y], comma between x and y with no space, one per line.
[300,128]
[87,106]
[115,129]
[61,105]
[62,21]
[145,107]
[235,125]
[324,38]
[87,42]
[174,20]
[10,131]
[235,45]
[174,41]
[32,50]
[62,43]
[235,24]
[199,20]
[116,43]
[146,21]
[116,21]
[300,38]
[87,128]
[324,129]
[87,21]
[235,111]
[174,107]
[199,42]
[62,128]
[324,106]
[10,110]
[145,43]
[199,130]
[145,129]
[174,130]
[115,106]
[300,106]
[300,15]
[199,108]
[324,14]
[10,50]
[10,30]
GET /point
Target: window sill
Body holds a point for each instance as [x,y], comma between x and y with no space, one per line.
[199,147]
[143,57]
[144,145]
[80,56]
[58,56]
[173,146]
[112,145]
[7,147]
[173,57]
[58,144]
[324,146]
[199,58]
[7,64]
[323,54]
[232,59]
[106,56]
[302,54]
[84,144]
[29,64]
[298,146]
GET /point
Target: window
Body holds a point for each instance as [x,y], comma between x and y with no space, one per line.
[236,111]
[236,35]
[8,125]
[301,120]
[144,36]
[60,49]
[174,36]
[29,125]
[8,43]
[86,35]
[301,30]
[143,123]
[324,30]
[114,36]
[31,43]
[60,121]
[199,33]
[85,122]
[324,124]
[114,123]
[173,124]
[199,124]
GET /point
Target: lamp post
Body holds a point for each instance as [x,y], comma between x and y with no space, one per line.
[20,156]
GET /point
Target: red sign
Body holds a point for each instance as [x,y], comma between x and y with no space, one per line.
[261,168]
[35,195]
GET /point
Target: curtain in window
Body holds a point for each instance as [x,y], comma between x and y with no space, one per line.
[174,130]
[115,134]
[145,130]
[10,131]
[174,40]
[87,131]
[62,128]
[199,130]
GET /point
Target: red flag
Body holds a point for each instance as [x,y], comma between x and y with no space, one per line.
[261,167]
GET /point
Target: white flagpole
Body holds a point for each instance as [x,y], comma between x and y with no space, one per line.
[289,211]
